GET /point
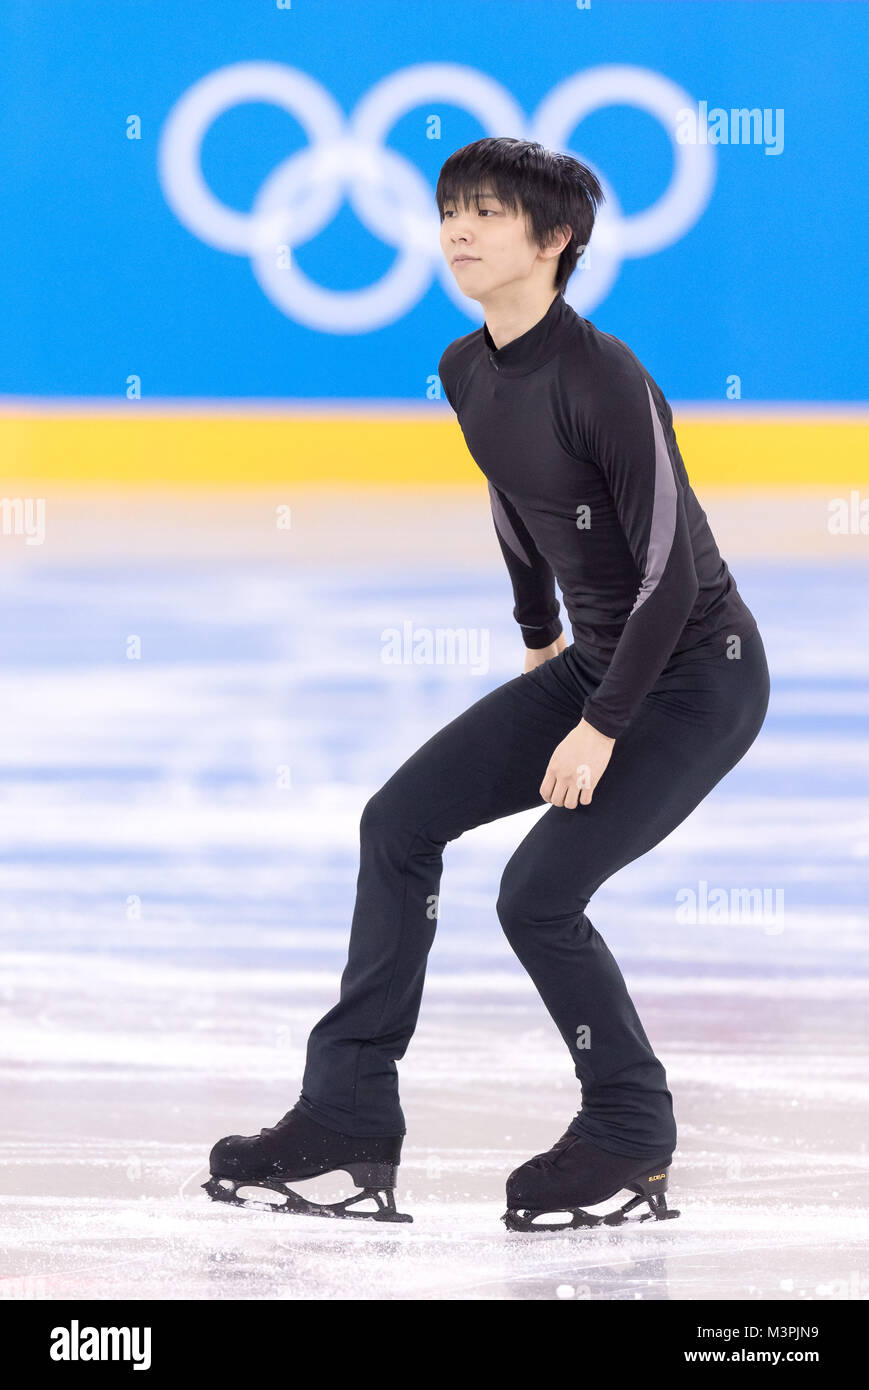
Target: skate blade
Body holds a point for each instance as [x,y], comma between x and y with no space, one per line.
[226,1190]
[524,1218]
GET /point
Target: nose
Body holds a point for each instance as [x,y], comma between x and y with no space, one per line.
[458,230]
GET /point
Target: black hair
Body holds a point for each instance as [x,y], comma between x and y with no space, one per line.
[554,190]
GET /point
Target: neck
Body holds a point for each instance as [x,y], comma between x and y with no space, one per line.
[511,311]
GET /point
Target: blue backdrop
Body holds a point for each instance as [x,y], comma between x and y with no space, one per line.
[107,271]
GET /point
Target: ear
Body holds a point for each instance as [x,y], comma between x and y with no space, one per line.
[562,235]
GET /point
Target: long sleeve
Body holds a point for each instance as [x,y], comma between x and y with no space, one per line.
[626,440]
[536,608]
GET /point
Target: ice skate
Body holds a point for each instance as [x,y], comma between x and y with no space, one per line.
[297,1147]
[575,1174]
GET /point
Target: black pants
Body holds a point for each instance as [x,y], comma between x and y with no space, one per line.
[692,727]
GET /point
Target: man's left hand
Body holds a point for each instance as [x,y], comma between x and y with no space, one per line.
[576,767]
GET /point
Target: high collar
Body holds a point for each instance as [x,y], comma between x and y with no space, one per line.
[531,349]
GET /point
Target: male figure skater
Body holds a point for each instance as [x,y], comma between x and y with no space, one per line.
[623,731]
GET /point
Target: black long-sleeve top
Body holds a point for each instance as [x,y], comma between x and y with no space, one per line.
[588,487]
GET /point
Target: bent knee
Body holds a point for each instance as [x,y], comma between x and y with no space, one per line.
[515,903]
[528,901]
[380,815]
[388,819]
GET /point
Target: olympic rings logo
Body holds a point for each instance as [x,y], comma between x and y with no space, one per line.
[348,156]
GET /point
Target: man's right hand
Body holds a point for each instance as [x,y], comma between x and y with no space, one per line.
[535,656]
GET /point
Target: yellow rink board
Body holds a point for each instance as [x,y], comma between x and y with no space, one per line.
[411,448]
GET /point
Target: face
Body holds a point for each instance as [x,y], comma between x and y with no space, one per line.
[488,247]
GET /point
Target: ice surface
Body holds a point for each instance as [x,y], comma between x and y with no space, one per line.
[175,912]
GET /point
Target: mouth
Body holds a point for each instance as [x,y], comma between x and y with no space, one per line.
[464,260]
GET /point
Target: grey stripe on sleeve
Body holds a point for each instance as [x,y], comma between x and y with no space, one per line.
[663,527]
[505,526]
